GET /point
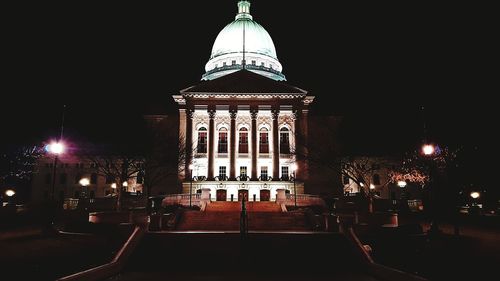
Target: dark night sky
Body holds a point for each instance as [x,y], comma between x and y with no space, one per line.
[374,64]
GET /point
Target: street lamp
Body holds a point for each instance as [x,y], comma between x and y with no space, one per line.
[10,193]
[429,151]
[475,195]
[84,182]
[401,184]
[191,167]
[294,169]
[55,148]
[113,186]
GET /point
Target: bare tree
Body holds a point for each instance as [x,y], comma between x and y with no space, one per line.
[118,165]
[165,158]
[18,163]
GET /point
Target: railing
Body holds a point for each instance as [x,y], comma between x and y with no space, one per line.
[181,199]
[239,66]
[304,200]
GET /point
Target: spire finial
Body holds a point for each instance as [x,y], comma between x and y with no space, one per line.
[243,10]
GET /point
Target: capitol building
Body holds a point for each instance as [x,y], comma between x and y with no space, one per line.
[242,123]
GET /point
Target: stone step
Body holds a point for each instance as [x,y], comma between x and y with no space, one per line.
[224,220]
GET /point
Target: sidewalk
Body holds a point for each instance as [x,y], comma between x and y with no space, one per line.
[19,232]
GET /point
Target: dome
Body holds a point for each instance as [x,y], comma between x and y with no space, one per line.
[243,44]
[230,40]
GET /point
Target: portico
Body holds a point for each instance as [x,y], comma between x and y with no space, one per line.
[243,125]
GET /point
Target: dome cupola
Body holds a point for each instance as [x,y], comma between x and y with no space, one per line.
[243,44]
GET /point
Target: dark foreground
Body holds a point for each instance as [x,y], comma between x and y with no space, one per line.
[262,256]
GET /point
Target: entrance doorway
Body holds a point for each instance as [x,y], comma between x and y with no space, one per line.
[265,195]
[221,195]
[242,195]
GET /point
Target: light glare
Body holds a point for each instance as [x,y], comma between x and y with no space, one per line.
[10,192]
[84,182]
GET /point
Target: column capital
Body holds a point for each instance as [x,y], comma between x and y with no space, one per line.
[296,114]
[189,113]
[253,113]
[233,113]
[275,114]
[211,113]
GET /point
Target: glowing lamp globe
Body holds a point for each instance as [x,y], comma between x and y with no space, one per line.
[10,192]
[84,182]
[475,195]
[401,183]
[55,148]
[428,149]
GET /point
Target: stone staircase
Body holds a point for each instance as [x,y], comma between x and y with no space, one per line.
[225,216]
[214,220]
[222,206]
[269,221]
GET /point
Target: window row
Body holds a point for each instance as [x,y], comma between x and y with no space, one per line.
[63,178]
[222,146]
[264,174]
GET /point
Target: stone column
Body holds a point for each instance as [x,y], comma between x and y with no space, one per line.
[299,156]
[232,141]
[253,115]
[304,132]
[276,152]
[189,142]
[211,144]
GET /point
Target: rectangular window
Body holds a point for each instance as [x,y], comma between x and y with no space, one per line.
[243,171]
[254,62]
[109,179]
[243,146]
[284,173]
[202,142]
[263,173]
[222,142]
[233,62]
[224,64]
[284,143]
[264,142]
[222,172]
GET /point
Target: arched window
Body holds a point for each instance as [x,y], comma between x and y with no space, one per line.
[222,140]
[202,140]
[376,179]
[284,141]
[264,141]
[243,146]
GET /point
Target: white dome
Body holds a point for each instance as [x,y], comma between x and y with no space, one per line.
[243,44]
[230,39]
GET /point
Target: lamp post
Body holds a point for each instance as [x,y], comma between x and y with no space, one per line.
[55,148]
[474,206]
[191,167]
[10,193]
[429,151]
[84,182]
[294,169]
[113,187]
